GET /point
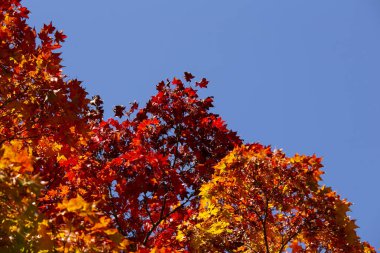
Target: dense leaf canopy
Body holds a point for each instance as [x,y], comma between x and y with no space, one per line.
[168,176]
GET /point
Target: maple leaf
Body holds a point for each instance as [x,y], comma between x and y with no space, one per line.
[74,204]
[160,85]
[134,107]
[48,28]
[218,122]
[23,12]
[188,77]
[177,82]
[202,84]
[119,110]
[59,36]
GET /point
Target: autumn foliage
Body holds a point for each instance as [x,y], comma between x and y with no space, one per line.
[168,176]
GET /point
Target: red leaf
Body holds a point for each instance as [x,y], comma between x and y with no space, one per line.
[177,82]
[190,92]
[218,122]
[160,86]
[119,110]
[59,36]
[188,76]
[23,11]
[48,28]
[202,84]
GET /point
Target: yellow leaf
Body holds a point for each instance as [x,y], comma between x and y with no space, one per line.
[103,222]
[180,236]
[56,147]
[296,158]
[220,166]
[43,226]
[13,228]
[111,231]
[74,204]
[218,227]
[16,157]
[82,141]
[124,243]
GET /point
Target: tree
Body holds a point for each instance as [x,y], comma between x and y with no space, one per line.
[168,176]
[37,107]
[35,99]
[145,172]
[148,169]
[259,200]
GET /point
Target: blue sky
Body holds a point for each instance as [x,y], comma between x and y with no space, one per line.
[299,75]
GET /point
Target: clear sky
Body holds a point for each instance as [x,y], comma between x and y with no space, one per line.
[299,75]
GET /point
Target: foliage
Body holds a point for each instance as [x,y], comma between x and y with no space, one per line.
[35,99]
[18,197]
[259,200]
[165,177]
[147,169]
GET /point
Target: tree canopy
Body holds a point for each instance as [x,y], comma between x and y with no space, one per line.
[169,176]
